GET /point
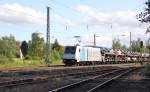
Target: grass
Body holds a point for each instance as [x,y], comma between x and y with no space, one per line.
[27,63]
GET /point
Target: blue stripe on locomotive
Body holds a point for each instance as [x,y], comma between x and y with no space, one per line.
[83,55]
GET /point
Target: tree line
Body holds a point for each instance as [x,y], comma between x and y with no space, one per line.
[136,46]
[35,49]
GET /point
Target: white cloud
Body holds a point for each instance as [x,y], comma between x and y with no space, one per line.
[117,18]
[18,14]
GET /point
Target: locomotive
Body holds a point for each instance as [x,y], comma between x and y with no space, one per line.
[90,55]
[81,55]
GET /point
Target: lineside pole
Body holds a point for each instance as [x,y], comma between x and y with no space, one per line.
[130,43]
[94,40]
[48,49]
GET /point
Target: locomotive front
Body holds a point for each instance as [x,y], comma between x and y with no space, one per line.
[69,55]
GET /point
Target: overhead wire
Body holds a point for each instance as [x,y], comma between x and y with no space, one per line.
[87,26]
[75,12]
[55,1]
[69,8]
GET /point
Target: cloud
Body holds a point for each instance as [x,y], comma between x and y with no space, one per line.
[122,23]
[117,18]
[18,14]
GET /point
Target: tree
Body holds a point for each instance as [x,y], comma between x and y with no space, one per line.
[148,46]
[124,47]
[24,48]
[136,45]
[116,44]
[36,47]
[145,16]
[58,47]
[8,46]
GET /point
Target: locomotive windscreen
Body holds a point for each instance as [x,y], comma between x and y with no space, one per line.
[70,50]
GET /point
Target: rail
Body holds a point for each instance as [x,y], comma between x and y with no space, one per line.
[78,85]
[38,79]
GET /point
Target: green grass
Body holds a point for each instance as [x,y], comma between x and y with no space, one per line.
[26,63]
[57,62]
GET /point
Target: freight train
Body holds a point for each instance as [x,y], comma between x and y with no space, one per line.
[89,55]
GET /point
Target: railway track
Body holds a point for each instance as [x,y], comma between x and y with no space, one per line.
[39,79]
[95,83]
[44,69]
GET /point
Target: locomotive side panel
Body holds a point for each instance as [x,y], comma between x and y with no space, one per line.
[94,54]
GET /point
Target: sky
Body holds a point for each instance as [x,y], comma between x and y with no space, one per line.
[108,19]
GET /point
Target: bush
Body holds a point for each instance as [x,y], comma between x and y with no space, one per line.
[55,56]
[147,71]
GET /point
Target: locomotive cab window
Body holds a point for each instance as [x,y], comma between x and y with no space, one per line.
[70,50]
